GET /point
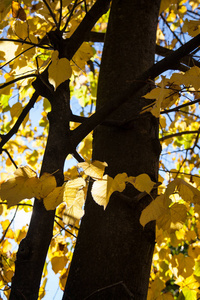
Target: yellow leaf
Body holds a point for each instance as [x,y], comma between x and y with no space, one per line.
[59,70]
[18,11]
[157,208]
[189,294]
[47,183]
[15,110]
[4,8]
[143,183]
[178,213]
[21,29]
[20,187]
[54,198]
[185,265]
[75,211]
[25,171]
[84,53]
[186,190]
[58,262]
[103,189]
[71,189]
[95,169]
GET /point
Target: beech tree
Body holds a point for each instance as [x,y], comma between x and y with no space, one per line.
[108,222]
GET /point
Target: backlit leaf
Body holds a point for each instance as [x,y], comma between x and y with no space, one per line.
[103,189]
[46,184]
[142,183]
[59,70]
[157,208]
[95,169]
[18,11]
[54,198]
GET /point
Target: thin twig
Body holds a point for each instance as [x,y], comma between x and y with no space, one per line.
[26,42]
[60,17]
[8,226]
[70,15]
[169,136]
[51,13]
[1,67]
[162,17]
[65,229]
[3,85]
[6,137]
[179,107]
[13,162]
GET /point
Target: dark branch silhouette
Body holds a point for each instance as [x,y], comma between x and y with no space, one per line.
[165,64]
[6,137]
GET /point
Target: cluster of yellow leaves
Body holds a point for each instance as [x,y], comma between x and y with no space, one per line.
[168,214]
[26,184]
[167,92]
[175,270]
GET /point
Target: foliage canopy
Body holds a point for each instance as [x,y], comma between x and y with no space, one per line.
[28,50]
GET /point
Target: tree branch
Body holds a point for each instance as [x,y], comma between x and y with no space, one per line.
[188,60]
[13,162]
[166,111]
[51,13]
[6,137]
[25,42]
[74,42]
[169,136]
[165,64]
[6,63]
[17,79]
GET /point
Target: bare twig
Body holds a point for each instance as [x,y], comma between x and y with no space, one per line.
[169,136]
[1,67]
[174,34]
[25,42]
[63,228]
[51,13]
[6,137]
[1,240]
[70,15]
[166,111]
[60,17]
[13,162]
[3,85]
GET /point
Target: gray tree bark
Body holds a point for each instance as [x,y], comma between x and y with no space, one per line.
[113,254]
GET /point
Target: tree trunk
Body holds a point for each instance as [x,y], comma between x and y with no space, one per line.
[113,254]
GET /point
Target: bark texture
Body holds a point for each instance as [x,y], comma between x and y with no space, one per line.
[113,253]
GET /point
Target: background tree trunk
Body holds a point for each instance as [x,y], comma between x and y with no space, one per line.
[113,252]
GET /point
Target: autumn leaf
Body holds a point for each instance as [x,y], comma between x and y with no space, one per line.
[54,198]
[59,70]
[68,193]
[21,29]
[26,184]
[18,188]
[157,208]
[103,189]
[46,184]
[18,11]
[75,211]
[185,190]
[142,183]
[95,169]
